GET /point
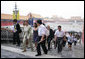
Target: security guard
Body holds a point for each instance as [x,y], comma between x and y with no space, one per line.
[16,31]
[41,38]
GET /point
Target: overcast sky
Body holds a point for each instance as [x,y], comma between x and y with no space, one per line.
[64,9]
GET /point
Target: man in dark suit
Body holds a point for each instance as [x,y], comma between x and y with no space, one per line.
[16,32]
[50,37]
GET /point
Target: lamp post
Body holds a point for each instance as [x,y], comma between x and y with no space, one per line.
[15,11]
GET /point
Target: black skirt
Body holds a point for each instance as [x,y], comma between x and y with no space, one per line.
[69,43]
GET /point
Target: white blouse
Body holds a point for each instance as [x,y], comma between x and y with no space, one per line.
[26,29]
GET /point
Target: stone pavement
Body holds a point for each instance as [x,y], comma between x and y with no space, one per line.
[9,54]
[28,53]
[77,52]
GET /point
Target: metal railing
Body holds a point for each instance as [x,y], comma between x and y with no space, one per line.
[7,34]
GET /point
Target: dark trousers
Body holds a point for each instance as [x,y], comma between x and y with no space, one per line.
[55,44]
[64,43]
[48,41]
[16,38]
[60,40]
[42,44]
[75,43]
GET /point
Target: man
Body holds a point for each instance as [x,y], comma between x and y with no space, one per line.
[59,34]
[41,38]
[16,32]
[50,36]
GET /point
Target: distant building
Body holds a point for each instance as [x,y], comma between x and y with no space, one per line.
[6,19]
[77,18]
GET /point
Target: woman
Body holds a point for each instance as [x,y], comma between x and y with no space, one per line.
[64,41]
[24,25]
[75,40]
[70,41]
[35,34]
[27,36]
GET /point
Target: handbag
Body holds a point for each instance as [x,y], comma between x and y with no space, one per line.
[20,30]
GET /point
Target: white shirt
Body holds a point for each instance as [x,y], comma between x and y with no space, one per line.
[41,30]
[59,33]
[70,39]
[75,39]
[47,33]
[26,29]
[14,28]
[67,35]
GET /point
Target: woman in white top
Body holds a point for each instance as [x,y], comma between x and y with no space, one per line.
[70,41]
[27,36]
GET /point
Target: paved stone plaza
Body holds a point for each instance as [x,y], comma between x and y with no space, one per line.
[12,51]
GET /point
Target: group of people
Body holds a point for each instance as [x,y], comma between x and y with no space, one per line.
[42,36]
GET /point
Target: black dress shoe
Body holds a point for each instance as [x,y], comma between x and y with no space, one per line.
[46,52]
[37,54]
[14,43]
[18,45]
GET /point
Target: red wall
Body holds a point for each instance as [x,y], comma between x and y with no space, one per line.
[8,23]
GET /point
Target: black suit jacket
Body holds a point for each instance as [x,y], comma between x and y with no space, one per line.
[51,33]
[18,28]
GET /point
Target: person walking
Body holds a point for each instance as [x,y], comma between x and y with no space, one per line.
[47,34]
[16,32]
[27,37]
[75,40]
[70,41]
[59,34]
[50,36]
[35,34]
[64,40]
[41,38]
